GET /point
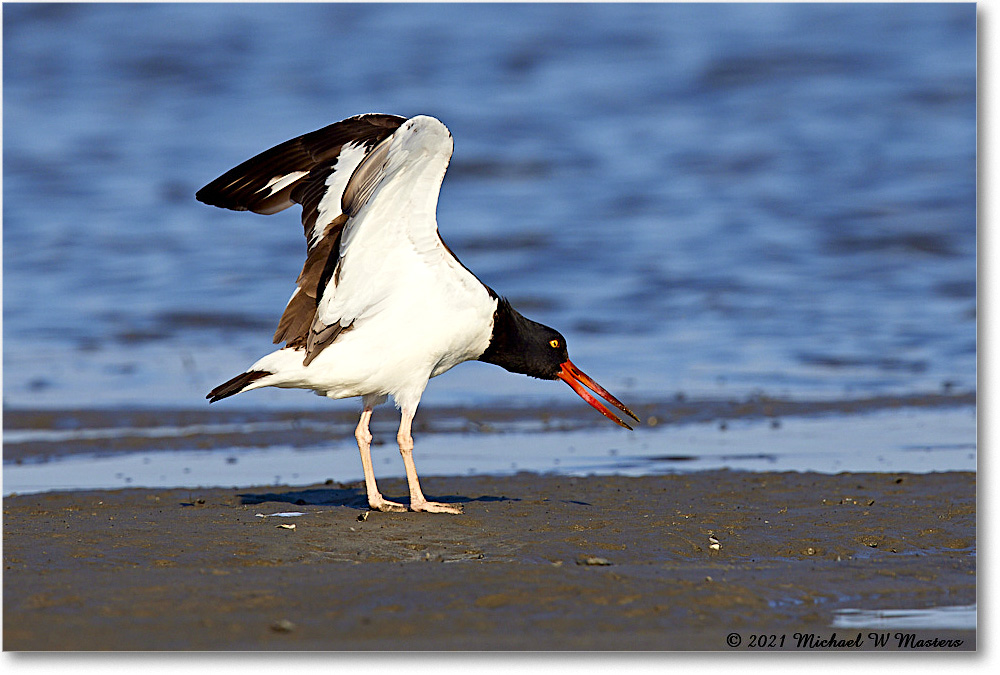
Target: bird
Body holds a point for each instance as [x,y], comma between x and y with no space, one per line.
[382,304]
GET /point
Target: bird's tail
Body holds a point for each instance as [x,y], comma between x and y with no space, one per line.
[235,385]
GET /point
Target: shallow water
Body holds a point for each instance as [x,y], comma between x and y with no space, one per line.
[912,440]
[712,199]
[953,617]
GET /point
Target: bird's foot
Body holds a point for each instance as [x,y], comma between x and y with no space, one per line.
[435,507]
[380,503]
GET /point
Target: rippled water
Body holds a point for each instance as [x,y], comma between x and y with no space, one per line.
[712,199]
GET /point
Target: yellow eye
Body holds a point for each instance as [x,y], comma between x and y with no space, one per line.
[554,344]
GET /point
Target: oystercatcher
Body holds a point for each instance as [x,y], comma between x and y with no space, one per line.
[382,304]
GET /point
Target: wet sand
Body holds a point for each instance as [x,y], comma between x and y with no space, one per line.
[537,562]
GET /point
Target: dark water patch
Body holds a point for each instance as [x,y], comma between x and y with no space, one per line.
[733,165]
[945,95]
[40,384]
[936,244]
[879,362]
[166,325]
[40,174]
[42,12]
[596,326]
[659,279]
[135,337]
[182,320]
[751,70]
[495,169]
[177,192]
[517,241]
[957,289]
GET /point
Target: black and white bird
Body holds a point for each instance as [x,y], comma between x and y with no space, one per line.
[382,304]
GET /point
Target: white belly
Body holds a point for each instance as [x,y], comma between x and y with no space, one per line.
[428,328]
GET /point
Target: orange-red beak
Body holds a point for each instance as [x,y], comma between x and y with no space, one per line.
[576,378]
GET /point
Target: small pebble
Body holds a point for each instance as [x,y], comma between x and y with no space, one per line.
[362,517]
[283,626]
[593,560]
[286,526]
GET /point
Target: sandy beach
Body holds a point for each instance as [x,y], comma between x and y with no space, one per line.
[715,560]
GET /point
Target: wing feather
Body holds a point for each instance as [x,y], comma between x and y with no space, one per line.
[264,183]
[311,170]
[365,179]
[334,173]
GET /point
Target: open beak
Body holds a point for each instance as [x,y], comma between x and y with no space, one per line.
[576,378]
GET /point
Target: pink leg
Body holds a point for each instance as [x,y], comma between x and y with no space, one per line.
[417,500]
[375,500]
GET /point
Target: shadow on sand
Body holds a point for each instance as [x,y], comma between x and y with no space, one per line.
[351,497]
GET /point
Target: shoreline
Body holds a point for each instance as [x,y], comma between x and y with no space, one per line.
[46,433]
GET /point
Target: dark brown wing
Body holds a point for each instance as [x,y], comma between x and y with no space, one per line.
[266,183]
[311,170]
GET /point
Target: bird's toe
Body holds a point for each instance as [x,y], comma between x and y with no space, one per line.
[437,507]
[385,506]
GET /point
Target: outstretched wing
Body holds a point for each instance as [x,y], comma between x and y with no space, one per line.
[389,244]
[312,170]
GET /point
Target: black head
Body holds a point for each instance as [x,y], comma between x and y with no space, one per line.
[521,345]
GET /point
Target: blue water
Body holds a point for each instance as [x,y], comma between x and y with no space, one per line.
[708,199]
